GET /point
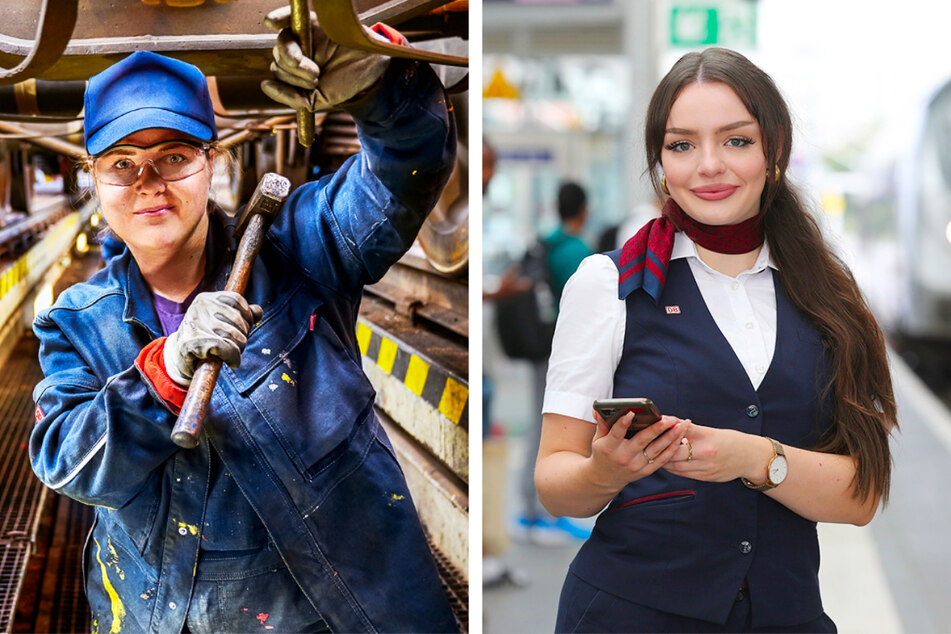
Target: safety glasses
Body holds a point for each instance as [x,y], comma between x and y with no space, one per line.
[172,161]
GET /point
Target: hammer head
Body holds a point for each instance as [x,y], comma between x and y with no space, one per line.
[266,200]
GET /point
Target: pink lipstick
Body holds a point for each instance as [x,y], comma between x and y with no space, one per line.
[718,191]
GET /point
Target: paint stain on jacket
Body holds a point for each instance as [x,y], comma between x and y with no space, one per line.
[118,610]
[113,559]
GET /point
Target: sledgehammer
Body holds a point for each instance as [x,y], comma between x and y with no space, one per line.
[264,205]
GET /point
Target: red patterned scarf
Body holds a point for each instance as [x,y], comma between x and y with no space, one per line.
[645,257]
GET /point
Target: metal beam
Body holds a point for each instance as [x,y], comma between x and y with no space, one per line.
[54,28]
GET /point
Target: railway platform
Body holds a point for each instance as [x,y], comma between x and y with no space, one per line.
[41,533]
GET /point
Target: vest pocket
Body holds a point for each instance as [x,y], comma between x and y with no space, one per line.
[658,499]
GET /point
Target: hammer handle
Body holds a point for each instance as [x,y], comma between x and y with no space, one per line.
[300,25]
[192,417]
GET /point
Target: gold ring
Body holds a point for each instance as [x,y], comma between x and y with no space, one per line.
[689,451]
[649,459]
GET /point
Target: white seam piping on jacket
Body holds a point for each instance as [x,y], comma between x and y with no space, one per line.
[75,472]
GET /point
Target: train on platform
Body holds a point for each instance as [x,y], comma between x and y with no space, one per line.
[903,208]
[413,324]
[923,210]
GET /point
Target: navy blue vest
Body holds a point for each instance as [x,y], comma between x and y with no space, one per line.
[684,546]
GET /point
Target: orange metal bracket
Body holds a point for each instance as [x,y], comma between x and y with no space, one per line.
[339,21]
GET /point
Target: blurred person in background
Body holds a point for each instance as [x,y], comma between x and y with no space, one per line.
[735,318]
[562,251]
[565,247]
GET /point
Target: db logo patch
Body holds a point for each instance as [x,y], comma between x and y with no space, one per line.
[672,310]
[38,414]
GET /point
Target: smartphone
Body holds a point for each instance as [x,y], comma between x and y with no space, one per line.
[645,413]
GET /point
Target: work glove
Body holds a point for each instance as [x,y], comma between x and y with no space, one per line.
[335,75]
[216,324]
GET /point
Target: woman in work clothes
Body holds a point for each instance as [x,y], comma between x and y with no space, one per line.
[292,513]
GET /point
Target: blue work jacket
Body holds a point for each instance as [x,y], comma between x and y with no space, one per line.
[293,425]
[685,546]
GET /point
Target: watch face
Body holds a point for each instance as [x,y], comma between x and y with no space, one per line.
[777,469]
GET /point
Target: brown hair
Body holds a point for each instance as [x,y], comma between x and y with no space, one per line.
[817,282]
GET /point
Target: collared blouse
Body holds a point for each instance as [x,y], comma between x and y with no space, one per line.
[589,336]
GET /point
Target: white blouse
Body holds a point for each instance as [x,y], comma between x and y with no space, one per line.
[589,335]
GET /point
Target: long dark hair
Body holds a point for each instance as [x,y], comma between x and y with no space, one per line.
[817,282]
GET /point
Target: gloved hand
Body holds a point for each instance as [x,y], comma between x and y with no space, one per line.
[216,324]
[335,75]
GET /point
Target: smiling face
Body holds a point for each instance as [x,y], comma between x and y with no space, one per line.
[713,155]
[156,218]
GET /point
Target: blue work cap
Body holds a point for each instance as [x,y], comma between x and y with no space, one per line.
[147,90]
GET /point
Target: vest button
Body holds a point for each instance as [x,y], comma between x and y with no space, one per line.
[752,411]
[746,547]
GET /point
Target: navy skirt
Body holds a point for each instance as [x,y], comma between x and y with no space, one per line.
[585,608]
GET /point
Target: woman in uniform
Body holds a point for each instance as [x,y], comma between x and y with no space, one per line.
[753,340]
[292,513]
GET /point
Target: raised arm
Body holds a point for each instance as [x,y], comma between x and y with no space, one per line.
[347,228]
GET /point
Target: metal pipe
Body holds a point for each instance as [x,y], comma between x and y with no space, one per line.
[50,143]
[265,127]
[300,24]
[280,151]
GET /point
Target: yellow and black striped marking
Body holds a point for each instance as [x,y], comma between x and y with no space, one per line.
[14,275]
[448,394]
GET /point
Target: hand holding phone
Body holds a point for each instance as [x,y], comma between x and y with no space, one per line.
[612,409]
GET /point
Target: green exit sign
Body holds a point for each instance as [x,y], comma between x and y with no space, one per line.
[729,23]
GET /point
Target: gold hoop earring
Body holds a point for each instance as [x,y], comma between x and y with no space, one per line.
[776,174]
[663,185]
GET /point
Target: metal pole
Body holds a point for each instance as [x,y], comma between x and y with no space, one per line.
[300,24]
[639,44]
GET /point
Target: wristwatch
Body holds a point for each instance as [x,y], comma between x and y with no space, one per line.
[776,469]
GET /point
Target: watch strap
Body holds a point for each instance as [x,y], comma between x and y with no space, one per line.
[768,484]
